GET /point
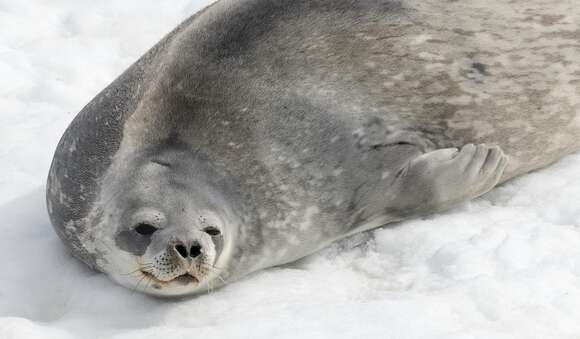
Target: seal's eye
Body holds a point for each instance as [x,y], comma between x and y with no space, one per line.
[145,229]
[212,231]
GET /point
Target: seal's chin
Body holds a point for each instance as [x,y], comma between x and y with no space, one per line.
[184,279]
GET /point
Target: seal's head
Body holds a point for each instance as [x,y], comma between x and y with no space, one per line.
[166,224]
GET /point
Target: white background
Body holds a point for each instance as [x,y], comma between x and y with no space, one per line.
[506,265]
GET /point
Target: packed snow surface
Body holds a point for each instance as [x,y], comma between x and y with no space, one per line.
[504,266]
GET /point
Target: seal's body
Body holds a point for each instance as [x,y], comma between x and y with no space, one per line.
[259,131]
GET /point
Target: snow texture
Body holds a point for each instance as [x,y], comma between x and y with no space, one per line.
[504,266]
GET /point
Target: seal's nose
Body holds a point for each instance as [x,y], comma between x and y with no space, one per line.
[194,250]
[181,250]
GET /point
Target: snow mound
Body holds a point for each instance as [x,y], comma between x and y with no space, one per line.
[504,266]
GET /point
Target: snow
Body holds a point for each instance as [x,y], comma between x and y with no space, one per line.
[504,266]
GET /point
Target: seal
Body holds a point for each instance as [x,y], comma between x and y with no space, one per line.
[259,131]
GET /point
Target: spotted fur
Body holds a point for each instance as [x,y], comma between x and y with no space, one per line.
[293,123]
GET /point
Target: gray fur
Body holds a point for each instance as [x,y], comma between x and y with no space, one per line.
[299,122]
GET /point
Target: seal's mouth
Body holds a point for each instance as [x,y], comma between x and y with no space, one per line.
[184,279]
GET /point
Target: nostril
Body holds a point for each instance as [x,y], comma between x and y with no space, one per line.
[181,250]
[195,250]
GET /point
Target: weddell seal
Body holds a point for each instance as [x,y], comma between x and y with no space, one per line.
[259,131]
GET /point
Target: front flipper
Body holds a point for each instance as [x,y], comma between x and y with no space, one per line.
[437,180]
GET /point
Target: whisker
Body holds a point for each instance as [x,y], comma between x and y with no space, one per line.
[148,283]
[143,263]
[132,272]
[211,266]
[214,266]
[214,270]
[141,268]
[222,279]
[139,282]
